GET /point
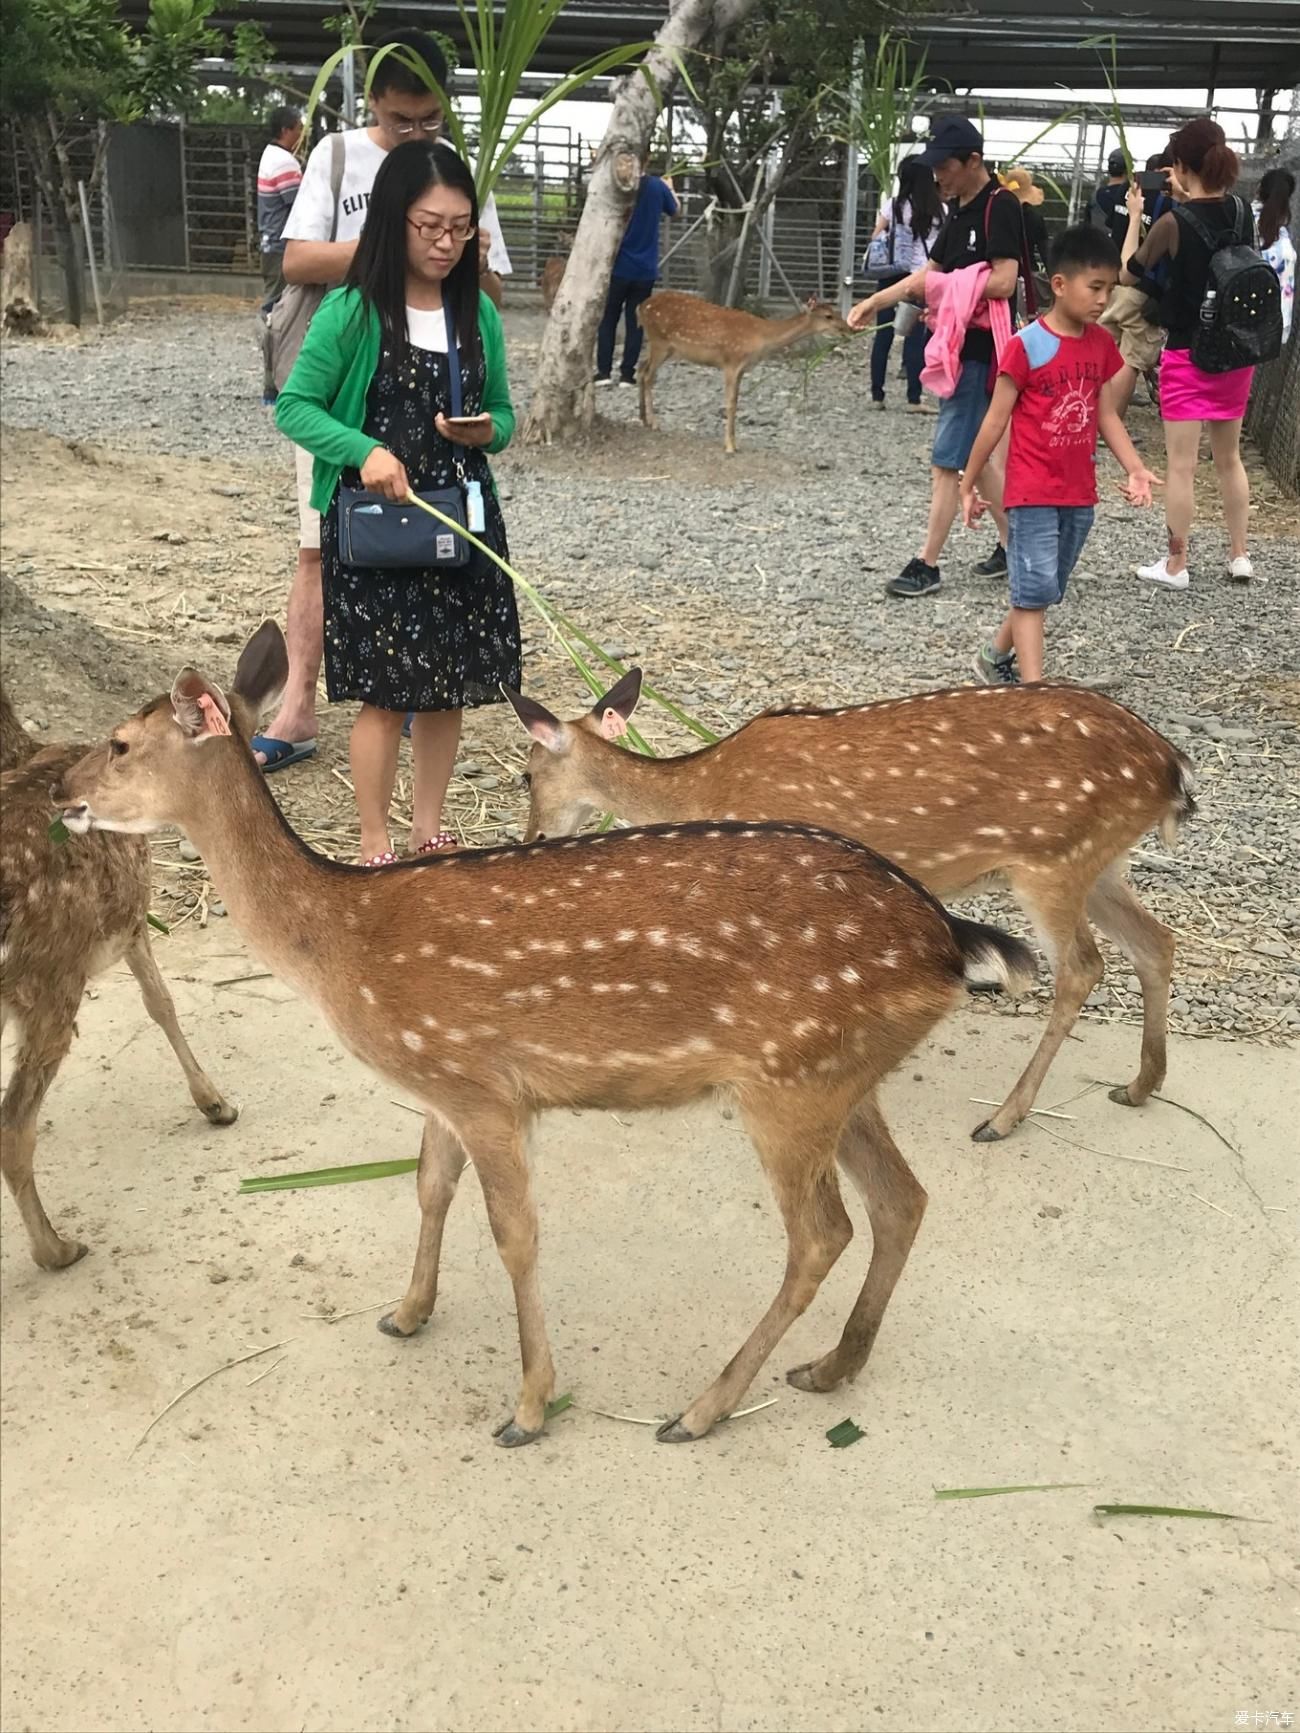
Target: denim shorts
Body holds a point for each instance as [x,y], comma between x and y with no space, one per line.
[1043,547]
[960,416]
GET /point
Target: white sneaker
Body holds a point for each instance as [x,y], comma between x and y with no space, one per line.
[1240,570]
[1160,574]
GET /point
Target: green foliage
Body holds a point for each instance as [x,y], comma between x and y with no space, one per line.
[894,90]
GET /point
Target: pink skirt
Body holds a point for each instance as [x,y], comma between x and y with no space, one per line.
[1187,394]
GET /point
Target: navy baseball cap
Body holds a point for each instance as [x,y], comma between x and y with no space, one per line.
[954,135]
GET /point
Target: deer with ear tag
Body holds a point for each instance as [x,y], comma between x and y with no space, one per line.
[789,967]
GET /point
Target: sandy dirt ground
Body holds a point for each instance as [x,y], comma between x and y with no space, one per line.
[325,1537]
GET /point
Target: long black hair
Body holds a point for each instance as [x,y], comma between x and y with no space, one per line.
[1276,191]
[378,268]
[916,185]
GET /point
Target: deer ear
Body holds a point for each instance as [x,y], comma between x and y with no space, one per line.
[613,712]
[260,676]
[537,720]
[811,302]
[199,708]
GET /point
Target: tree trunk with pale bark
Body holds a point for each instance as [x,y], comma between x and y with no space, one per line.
[562,404]
[18,309]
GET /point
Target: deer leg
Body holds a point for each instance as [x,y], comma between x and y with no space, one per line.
[496,1146]
[649,368]
[1076,969]
[47,1035]
[795,1132]
[895,1201]
[442,1160]
[731,393]
[1149,946]
[158,1003]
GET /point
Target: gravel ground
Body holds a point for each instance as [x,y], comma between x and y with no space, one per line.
[168,520]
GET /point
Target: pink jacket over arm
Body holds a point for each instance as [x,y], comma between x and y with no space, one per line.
[954,302]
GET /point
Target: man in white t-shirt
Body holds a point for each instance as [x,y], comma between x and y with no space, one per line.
[402,107]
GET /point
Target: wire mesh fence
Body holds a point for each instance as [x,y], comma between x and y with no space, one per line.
[1273,419]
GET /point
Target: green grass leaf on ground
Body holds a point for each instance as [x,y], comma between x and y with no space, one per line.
[1171,1510]
[846,1433]
[558,1406]
[326,1176]
[998,1491]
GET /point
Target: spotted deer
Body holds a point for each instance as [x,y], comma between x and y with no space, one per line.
[68,911]
[1045,787]
[643,968]
[554,268]
[690,329]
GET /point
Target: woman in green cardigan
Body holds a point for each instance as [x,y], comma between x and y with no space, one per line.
[369,397]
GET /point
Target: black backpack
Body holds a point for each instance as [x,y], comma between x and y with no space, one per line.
[1241,311]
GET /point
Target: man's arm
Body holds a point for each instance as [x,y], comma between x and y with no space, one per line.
[908,289]
[1001,285]
[317,261]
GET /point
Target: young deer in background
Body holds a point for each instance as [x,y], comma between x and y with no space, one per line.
[1045,786]
[643,969]
[67,912]
[694,330]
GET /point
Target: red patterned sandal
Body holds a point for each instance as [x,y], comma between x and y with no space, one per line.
[387,858]
[443,843]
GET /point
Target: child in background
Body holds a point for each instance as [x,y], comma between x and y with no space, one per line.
[1053,388]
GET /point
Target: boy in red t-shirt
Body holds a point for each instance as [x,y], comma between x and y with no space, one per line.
[1052,387]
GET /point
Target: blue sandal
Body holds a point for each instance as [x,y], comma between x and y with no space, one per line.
[280,754]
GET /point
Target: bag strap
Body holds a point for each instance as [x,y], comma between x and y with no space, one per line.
[1202,230]
[1025,268]
[453,364]
[338,158]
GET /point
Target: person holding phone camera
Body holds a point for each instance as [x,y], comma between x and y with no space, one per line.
[401,387]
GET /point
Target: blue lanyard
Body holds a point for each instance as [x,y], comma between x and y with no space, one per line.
[453,363]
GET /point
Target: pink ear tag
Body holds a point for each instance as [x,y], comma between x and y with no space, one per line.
[214,720]
[612,725]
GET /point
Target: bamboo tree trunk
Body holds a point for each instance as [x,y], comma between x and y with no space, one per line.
[562,396]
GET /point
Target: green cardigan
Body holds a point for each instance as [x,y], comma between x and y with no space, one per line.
[323,404]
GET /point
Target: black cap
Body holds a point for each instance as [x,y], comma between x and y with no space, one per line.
[1117,163]
[953,135]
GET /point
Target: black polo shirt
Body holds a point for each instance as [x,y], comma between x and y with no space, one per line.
[974,234]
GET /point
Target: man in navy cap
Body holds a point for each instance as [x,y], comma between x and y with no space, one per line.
[984,225]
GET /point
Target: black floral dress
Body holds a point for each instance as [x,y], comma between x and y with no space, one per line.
[403,639]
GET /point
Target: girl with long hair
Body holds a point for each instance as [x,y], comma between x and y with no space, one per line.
[370,397]
[1273,217]
[1203,174]
[912,220]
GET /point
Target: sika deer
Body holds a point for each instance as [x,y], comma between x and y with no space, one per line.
[642,969]
[696,330]
[1046,786]
[553,270]
[67,912]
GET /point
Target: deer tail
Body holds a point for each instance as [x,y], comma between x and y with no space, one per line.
[1182,800]
[991,958]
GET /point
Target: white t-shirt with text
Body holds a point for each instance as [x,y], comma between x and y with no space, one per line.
[312,213]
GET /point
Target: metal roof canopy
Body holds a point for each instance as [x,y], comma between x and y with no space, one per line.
[973,44]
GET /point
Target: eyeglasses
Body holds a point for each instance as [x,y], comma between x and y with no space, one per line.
[432,233]
[409,128]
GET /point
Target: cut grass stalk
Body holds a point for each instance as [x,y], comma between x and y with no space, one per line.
[944,1492]
[325,1176]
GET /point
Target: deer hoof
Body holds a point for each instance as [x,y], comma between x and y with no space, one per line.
[510,1435]
[985,1133]
[802,1377]
[673,1432]
[389,1325]
[1121,1097]
[221,1112]
[69,1252]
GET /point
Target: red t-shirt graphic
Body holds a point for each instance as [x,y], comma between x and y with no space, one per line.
[1052,460]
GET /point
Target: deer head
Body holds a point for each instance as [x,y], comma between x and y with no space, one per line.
[822,316]
[152,770]
[560,765]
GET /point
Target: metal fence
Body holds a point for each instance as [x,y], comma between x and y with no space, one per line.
[1273,419]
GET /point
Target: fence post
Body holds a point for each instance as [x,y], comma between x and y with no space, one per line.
[849,207]
[765,254]
[539,194]
[185,193]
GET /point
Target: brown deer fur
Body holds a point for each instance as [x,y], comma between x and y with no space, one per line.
[643,969]
[690,329]
[67,912]
[1045,786]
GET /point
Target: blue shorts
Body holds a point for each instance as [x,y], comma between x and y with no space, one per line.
[1043,547]
[960,416]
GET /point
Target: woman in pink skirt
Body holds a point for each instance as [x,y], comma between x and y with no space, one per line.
[1204,171]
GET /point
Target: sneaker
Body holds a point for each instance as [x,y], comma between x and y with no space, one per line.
[1160,574]
[627,384]
[877,403]
[996,670]
[1240,569]
[995,566]
[916,579]
[921,407]
[602,379]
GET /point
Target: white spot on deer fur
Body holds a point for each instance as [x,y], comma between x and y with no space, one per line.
[894,770]
[920,811]
[367,995]
[1025,739]
[990,830]
[849,974]
[728,929]
[428,950]
[1126,771]
[429,1022]
[1037,830]
[809,935]
[658,935]
[1022,794]
[888,959]
[1052,782]
[1082,726]
[946,800]
[412,1040]
[364,899]
[625,935]
[398,957]
[35,891]
[660,987]
[472,967]
[457,1035]
[820,984]
[848,930]
[1088,787]
[969,750]
[593,944]
[485,921]
[723,1014]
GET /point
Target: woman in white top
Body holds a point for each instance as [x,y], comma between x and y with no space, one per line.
[911,220]
[1273,213]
